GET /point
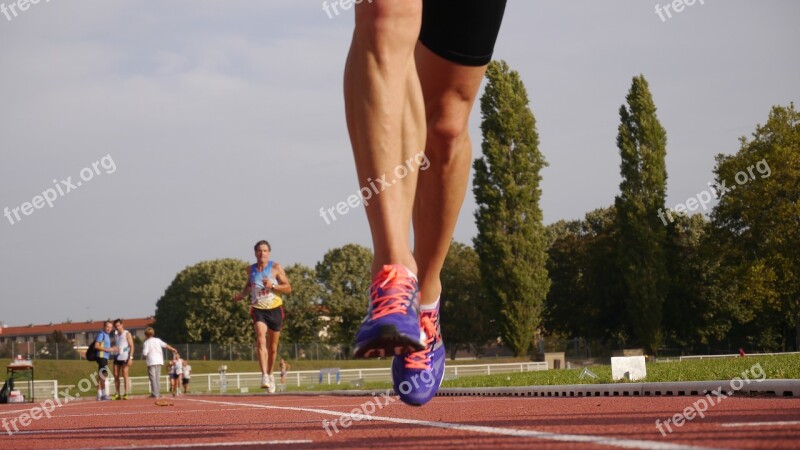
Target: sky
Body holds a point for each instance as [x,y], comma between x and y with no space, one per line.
[196,128]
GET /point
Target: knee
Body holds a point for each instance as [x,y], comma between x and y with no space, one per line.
[261,341]
[447,134]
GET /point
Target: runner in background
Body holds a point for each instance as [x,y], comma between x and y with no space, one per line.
[265,281]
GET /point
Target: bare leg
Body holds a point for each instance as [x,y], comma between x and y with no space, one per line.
[261,345]
[272,349]
[386,120]
[127,378]
[117,375]
[449,90]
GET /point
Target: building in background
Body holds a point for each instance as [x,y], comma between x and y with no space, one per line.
[27,340]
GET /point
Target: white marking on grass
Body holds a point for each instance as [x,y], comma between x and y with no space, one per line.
[582,438]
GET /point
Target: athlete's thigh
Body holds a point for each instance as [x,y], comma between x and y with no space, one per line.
[463,31]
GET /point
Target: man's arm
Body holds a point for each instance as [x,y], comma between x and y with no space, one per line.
[283,286]
[131,347]
[245,291]
[101,345]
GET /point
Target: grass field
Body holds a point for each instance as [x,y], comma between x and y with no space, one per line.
[773,367]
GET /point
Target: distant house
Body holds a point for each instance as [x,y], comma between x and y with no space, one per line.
[80,334]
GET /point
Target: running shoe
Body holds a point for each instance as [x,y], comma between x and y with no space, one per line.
[391,326]
[104,398]
[115,397]
[125,397]
[417,376]
[264,382]
[271,388]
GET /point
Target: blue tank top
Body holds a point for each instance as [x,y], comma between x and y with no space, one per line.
[260,297]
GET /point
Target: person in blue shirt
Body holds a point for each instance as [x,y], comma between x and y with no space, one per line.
[104,351]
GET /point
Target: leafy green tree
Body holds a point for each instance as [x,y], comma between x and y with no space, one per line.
[584,300]
[344,274]
[198,305]
[302,324]
[566,264]
[466,323]
[642,144]
[690,320]
[59,345]
[511,241]
[756,229]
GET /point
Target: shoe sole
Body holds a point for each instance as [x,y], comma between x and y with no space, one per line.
[388,343]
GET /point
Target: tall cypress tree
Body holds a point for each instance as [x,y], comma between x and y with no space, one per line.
[511,241]
[642,143]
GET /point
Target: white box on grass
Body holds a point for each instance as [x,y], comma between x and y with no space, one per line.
[628,367]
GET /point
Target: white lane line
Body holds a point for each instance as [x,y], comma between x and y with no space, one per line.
[204,444]
[583,438]
[193,427]
[139,413]
[762,424]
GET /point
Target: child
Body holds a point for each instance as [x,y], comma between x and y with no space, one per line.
[284,370]
[175,374]
[152,350]
[187,375]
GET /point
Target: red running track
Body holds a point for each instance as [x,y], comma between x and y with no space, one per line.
[286,421]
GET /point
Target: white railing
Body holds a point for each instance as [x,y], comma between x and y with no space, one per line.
[681,358]
[42,389]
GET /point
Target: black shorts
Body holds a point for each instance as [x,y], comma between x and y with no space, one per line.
[185,381]
[462,31]
[120,363]
[273,318]
[102,366]
[173,376]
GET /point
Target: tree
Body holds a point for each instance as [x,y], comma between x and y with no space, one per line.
[198,305]
[689,318]
[642,145]
[566,264]
[59,346]
[756,229]
[584,300]
[344,274]
[511,241]
[466,321]
[303,309]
